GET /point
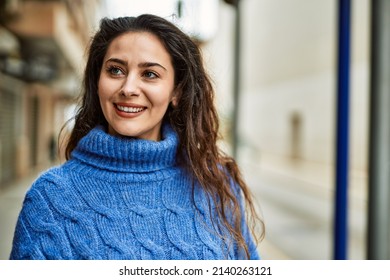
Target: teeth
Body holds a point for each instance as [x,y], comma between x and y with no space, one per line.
[130,109]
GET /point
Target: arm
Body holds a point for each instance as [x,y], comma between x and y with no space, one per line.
[252,247]
[23,247]
[254,254]
[37,235]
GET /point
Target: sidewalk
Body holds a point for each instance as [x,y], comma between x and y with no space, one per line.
[298,209]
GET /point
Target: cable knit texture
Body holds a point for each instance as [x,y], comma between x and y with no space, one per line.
[119,198]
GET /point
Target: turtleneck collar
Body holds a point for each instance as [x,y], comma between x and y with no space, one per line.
[121,154]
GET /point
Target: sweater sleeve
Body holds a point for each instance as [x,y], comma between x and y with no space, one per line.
[37,235]
[252,247]
[253,252]
[23,247]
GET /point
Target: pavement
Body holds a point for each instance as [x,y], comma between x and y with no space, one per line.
[298,210]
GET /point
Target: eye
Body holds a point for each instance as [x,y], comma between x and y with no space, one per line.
[150,75]
[115,71]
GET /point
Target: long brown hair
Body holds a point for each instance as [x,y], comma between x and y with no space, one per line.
[194,118]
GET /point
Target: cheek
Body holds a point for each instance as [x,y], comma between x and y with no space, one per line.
[103,90]
[100,88]
[163,102]
[102,96]
[164,99]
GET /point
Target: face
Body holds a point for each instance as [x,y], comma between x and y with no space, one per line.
[136,85]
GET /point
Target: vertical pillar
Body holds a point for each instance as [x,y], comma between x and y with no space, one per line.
[378,242]
[342,135]
[237,80]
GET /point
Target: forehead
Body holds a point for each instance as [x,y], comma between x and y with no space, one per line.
[142,45]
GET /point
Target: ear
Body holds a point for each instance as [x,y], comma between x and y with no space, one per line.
[174,99]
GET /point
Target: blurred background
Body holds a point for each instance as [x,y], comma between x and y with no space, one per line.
[275,68]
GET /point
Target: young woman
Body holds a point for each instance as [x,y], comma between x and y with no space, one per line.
[144,178]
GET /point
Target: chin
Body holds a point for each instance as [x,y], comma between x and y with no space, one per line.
[120,132]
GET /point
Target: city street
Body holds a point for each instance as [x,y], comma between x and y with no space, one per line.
[299,216]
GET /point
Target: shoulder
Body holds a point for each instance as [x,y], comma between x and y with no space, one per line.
[47,185]
[38,231]
[54,175]
[48,194]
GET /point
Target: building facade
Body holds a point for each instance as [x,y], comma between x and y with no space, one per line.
[41,61]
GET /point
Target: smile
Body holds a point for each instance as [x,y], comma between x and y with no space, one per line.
[127,109]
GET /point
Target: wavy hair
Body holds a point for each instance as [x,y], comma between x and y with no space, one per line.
[194,118]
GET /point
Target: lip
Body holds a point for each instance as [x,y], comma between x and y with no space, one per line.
[128,114]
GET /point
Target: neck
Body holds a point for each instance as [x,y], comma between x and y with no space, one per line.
[124,154]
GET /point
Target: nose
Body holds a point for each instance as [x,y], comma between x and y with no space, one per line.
[131,86]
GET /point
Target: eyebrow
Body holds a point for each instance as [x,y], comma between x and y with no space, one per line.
[142,64]
[117,60]
[151,64]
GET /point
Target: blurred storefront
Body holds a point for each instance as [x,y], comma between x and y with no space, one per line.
[42,46]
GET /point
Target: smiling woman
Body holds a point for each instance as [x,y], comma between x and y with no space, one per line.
[136,85]
[144,177]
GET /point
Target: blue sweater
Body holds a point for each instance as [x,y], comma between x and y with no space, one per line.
[120,198]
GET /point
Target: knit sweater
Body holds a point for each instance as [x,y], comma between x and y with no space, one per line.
[120,198]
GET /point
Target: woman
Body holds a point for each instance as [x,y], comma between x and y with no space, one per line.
[144,178]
